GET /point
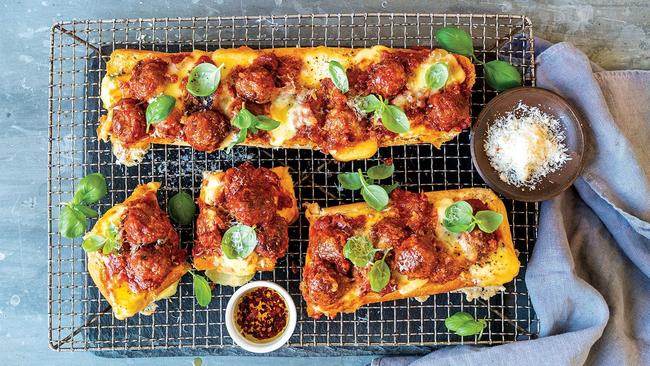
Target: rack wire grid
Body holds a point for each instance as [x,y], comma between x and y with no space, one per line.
[80,319]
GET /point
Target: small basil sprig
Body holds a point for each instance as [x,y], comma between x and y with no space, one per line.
[437,75]
[182,208]
[464,324]
[108,244]
[245,121]
[204,79]
[339,76]
[159,109]
[392,116]
[376,196]
[379,274]
[459,218]
[73,220]
[202,289]
[359,250]
[239,241]
[500,75]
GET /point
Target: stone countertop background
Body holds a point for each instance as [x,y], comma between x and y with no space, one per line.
[614,33]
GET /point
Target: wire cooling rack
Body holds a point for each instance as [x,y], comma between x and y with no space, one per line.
[80,319]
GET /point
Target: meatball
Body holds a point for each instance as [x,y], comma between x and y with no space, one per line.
[148,78]
[330,233]
[146,223]
[171,126]
[129,123]
[323,285]
[251,206]
[205,131]
[386,78]
[273,238]
[148,266]
[416,257]
[208,236]
[342,127]
[482,244]
[414,209]
[250,194]
[255,84]
[389,232]
[448,110]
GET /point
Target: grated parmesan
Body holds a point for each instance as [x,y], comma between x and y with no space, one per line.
[525,145]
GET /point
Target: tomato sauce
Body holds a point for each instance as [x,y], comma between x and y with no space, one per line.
[150,246]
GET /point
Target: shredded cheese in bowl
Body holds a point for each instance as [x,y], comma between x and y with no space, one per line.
[525,145]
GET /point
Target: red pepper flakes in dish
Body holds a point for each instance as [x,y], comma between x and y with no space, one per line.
[261,314]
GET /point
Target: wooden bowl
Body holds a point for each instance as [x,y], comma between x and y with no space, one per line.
[548,102]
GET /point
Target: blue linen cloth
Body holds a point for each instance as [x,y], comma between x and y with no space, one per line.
[588,275]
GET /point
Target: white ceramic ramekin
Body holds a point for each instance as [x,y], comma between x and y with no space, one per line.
[248,345]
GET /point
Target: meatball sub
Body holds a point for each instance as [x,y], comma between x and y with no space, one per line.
[146,262]
[290,85]
[423,258]
[260,198]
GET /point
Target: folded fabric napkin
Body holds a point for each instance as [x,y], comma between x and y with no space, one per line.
[589,273]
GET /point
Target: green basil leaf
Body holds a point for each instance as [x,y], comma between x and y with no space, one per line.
[87,211]
[458,216]
[472,328]
[244,119]
[488,221]
[72,223]
[379,274]
[339,76]
[371,103]
[91,189]
[500,75]
[359,250]
[113,230]
[239,241]
[159,109]
[110,246]
[464,324]
[375,196]
[394,119]
[349,181]
[455,40]
[437,75]
[241,137]
[381,171]
[457,320]
[266,123]
[204,79]
[390,188]
[461,228]
[202,290]
[182,208]
[93,243]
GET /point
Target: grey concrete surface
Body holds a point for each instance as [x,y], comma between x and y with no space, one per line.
[613,33]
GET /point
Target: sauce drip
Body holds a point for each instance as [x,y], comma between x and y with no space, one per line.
[261,314]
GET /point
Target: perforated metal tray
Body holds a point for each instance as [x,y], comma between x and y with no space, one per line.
[80,319]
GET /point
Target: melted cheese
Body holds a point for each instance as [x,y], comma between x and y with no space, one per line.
[316,65]
[417,82]
[283,110]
